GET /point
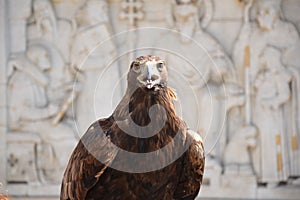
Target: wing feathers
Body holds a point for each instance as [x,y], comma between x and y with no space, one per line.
[87,163]
[193,169]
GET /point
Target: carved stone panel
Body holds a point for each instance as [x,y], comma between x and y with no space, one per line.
[234,64]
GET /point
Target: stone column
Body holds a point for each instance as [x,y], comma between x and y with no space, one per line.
[3,105]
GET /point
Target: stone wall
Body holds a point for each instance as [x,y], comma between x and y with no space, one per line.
[3,117]
[233,63]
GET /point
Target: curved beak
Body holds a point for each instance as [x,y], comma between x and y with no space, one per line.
[150,75]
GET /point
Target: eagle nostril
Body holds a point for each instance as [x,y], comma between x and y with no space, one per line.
[154,77]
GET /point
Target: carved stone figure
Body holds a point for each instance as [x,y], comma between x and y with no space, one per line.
[54,34]
[32,112]
[91,55]
[202,69]
[270,30]
[237,159]
[93,28]
[60,57]
[27,88]
[46,27]
[272,91]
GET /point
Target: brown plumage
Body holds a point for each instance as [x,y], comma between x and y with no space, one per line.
[99,168]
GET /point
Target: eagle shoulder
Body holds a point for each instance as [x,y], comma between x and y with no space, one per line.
[193,169]
[87,163]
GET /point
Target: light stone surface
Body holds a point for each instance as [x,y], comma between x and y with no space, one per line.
[3,116]
[2,97]
[64,63]
[290,9]
[231,10]
[226,32]
[230,187]
[3,80]
[292,193]
[19,10]
[18,35]
[21,158]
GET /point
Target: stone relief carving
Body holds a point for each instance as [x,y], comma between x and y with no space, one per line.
[207,76]
[91,53]
[67,59]
[237,159]
[32,112]
[21,159]
[272,92]
[27,73]
[46,84]
[92,28]
[45,26]
[274,96]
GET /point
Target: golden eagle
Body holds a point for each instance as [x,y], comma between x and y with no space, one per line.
[142,151]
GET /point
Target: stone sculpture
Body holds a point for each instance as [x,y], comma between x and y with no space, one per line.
[60,56]
[268,39]
[31,111]
[272,92]
[91,54]
[43,73]
[205,68]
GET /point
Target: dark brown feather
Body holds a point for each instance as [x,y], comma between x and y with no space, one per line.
[88,178]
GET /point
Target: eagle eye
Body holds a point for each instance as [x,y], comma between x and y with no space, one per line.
[135,66]
[160,66]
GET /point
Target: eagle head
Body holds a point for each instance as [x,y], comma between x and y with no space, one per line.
[148,72]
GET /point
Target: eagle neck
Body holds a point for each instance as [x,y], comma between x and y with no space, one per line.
[135,108]
[153,107]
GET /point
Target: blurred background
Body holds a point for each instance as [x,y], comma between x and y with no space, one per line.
[234,63]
